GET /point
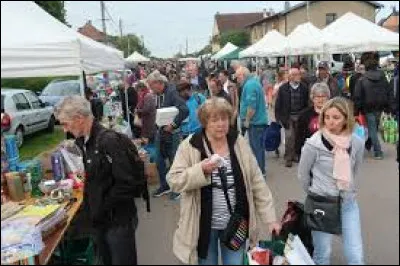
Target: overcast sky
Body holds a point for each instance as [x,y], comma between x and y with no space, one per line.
[166,25]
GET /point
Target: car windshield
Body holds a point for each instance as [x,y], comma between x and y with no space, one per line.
[63,88]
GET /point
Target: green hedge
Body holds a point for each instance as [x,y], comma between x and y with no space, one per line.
[33,84]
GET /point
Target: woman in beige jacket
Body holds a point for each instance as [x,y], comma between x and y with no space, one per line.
[204,211]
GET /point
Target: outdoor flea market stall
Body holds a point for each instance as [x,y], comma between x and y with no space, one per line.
[41,197]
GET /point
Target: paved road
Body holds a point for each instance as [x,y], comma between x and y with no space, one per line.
[378,201]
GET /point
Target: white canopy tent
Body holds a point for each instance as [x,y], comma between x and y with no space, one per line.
[186,59]
[35,44]
[304,39]
[136,58]
[228,48]
[351,34]
[270,45]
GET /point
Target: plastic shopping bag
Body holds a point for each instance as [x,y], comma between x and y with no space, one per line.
[73,157]
[361,131]
[296,253]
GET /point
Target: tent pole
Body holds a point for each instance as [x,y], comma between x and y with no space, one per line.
[127,107]
[257,65]
[82,79]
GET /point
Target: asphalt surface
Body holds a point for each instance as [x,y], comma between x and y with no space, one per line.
[378,200]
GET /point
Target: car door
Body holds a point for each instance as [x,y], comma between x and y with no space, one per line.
[39,113]
[24,115]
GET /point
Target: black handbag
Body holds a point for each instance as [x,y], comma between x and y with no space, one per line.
[322,213]
[237,229]
[236,232]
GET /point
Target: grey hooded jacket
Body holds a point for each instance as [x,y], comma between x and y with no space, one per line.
[318,160]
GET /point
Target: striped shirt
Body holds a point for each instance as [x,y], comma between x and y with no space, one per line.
[220,210]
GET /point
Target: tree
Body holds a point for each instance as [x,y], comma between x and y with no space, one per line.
[238,38]
[54,8]
[132,41]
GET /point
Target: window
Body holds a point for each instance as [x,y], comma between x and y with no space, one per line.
[337,57]
[35,102]
[330,17]
[62,88]
[21,103]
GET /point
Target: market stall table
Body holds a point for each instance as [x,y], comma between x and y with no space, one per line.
[53,240]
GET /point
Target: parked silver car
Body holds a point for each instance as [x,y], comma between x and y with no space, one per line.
[23,113]
[57,90]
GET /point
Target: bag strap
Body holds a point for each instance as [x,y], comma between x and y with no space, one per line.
[222,176]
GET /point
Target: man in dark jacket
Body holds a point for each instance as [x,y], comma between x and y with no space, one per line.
[360,71]
[132,101]
[292,99]
[324,76]
[198,82]
[372,96]
[394,84]
[167,139]
[109,190]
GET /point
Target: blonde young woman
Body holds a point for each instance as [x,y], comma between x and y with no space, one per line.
[332,156]
[204,211]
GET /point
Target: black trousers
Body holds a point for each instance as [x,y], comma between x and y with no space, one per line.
[117,245]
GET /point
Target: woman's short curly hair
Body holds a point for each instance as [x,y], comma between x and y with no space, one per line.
[215,106]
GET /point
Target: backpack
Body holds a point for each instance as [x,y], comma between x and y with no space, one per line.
[137,171]
[272,137]
[374,94]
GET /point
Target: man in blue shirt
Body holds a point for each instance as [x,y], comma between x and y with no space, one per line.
[191,124]
[253,114]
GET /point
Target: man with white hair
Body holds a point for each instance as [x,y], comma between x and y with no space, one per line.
[167,138]
[108,198]
[253,113]
[198,82]
[292,99]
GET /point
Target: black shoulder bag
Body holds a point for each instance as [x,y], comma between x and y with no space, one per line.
[323,213]
[236,232]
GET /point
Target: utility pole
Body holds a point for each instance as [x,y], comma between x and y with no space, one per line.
[308,11]
[103,19]
[187,46]
[120,28]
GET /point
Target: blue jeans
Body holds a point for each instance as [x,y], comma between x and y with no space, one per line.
[257,145]
[373,123]
[166,148]
[351,236]
[229,257]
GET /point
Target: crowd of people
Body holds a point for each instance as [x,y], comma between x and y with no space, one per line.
[212,155]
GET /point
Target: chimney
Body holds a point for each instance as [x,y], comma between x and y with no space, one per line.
[89,22]
[287,5]
[265,14]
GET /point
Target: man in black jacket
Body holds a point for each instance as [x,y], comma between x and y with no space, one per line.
[108,196]
[132,101]
[291,100]
[168,137]
[394,85]
[372,96]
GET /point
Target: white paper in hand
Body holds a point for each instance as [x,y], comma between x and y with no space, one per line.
[165,116]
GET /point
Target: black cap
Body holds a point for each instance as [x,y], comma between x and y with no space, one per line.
[323,64]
